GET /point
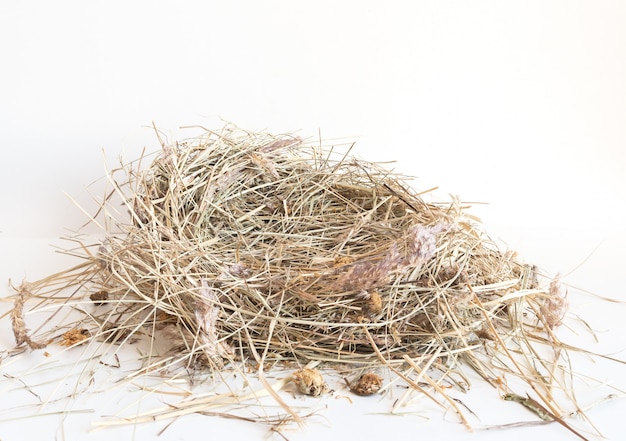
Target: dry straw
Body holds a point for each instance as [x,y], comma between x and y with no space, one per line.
[242,249]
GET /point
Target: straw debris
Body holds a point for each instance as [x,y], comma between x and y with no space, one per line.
[237,246]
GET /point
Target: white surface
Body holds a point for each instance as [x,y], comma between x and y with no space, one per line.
[521,105]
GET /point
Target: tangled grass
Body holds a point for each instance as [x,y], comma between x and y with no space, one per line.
[236,247]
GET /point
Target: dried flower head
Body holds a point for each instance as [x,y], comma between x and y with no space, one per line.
[422,243]
[309,382]
[207,312]
[75,336]
[368,384]
[420,246]
[20,331]
[240,270]
[554,305]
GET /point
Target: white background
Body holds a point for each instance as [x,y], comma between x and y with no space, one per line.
[518,104]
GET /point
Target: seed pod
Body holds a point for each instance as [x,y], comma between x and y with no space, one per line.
[368,384]
[309,382]
[374,304]
[99,297]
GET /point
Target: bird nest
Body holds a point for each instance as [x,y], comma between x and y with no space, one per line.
[239,247]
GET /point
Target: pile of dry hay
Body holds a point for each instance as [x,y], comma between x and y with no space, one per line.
[250,247]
